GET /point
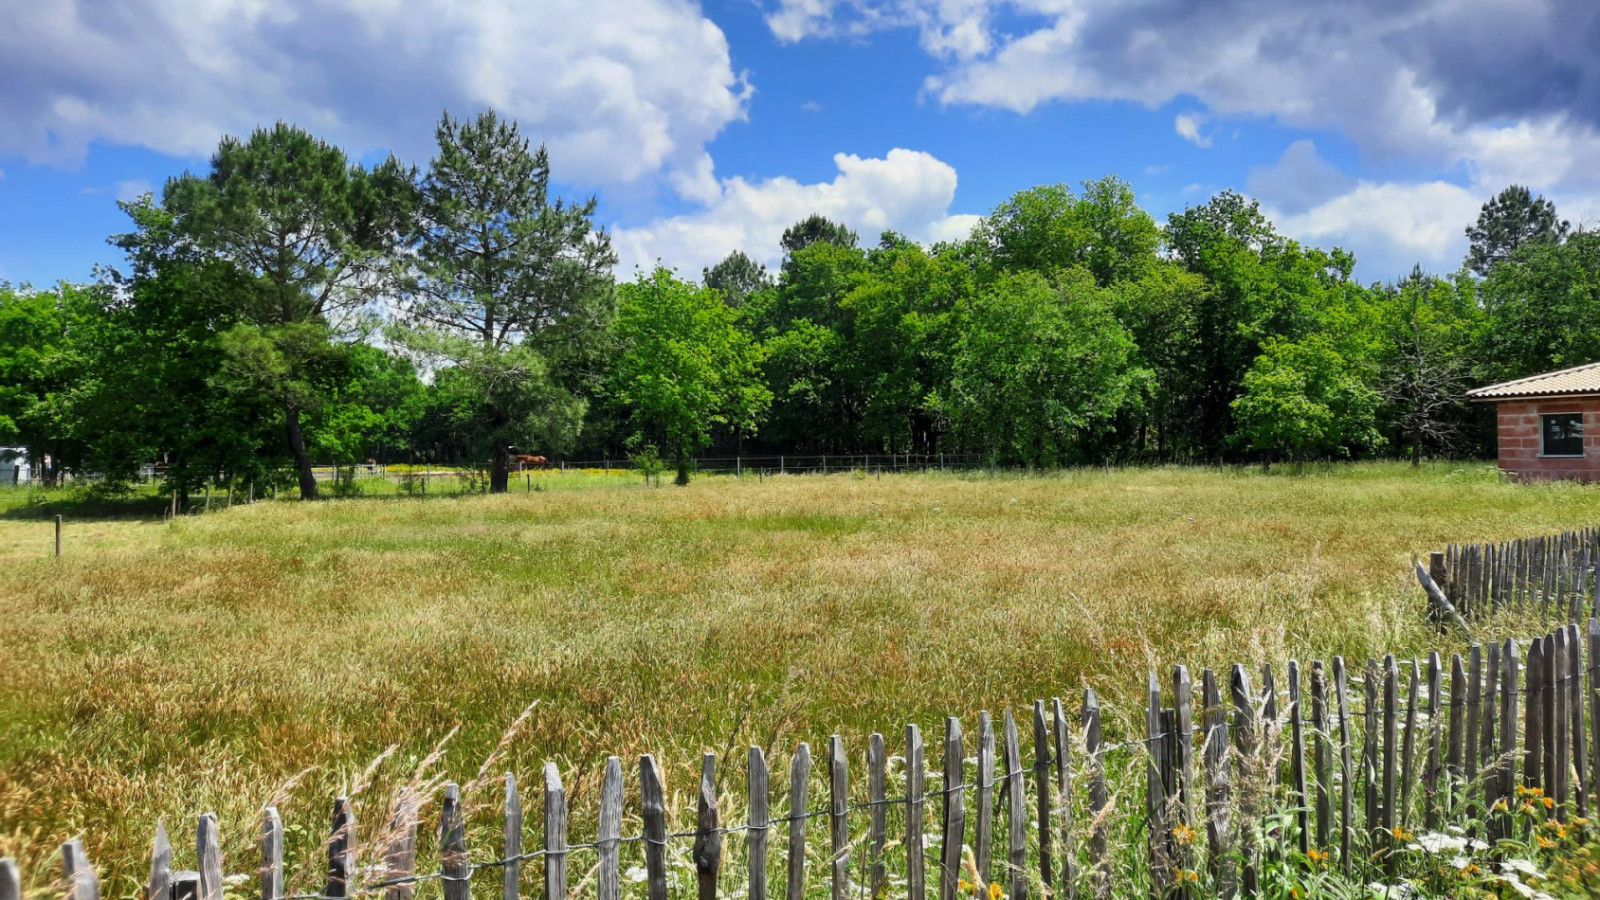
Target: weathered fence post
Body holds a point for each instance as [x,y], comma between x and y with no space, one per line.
[838,817]
[877,799]
[1041,783]
[1016,812]
[400,856]
[759,820]
[799,787]
[511,842]
[1218,821]
[955,809]
[159,885]
[916,866]
[10,880]
[984,836]
[707,851]
[271,854]
[209,854]
[1100,871]
[653,813]
[82,882]
[58,537]
[454,867]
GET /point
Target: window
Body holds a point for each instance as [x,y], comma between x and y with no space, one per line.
[1562,435]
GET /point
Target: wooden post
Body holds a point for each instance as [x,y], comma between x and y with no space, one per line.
[1322,754]
[1372,818]
[1391,725]
[1064,798]
[799,787]
[82,882]
[208,854]
[1555,685]
[758,818]
[1016,812]
[608,877]
[10,878]
[1297,761]
[984,838]
[1347,793]
[159,885]
[955,809]
[58,537]
[341,853]
[1408,765]
[1099,797]
[454,866]
[1159,832]
[1218,813]
[1183,764]
[1507,744]
[1533,735]
[838,817]
[1042,788]
[1575,711]
[877,799]
[1432,780]
[653,813]
[400,856]
[511,842]
[1244,739]
[916,865]
[271,854]
[707,851]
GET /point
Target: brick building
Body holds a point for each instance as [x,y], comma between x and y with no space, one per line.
[1549,424]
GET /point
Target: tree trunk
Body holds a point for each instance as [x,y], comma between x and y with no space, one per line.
[1416,448]
[500,470]
[302,459]
[683,470]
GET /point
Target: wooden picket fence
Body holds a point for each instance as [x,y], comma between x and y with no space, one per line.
[1432,743]
[1554,573]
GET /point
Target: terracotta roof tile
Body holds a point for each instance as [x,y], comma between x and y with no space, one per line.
[1583,379]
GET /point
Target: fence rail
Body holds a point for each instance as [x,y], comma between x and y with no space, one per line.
[1234,776]
[1556,573]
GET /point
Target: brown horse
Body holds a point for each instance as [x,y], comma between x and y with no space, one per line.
[525,461]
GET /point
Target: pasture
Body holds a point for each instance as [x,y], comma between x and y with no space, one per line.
[277,650]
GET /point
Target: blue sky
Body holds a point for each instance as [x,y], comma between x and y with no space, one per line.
[705,127]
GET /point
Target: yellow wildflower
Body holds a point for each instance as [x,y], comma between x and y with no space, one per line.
[1470,869]
[1400,834]
[996,892]
[963,885]
[1546,843]
[1549,803]
[1183,834]
[1317,856]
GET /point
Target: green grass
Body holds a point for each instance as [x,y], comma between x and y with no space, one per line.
[162,670]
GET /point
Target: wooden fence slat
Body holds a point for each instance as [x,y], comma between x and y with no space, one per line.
[208,852]
[455,868]
[1592,634]
[400,852]
[158,886]
[555,835]
[1575,725]
[1456,744]
[511,842]
[1061,732]
[1244,742]
[983,839]
[1158,829]
[1183,763]
[916,864]
[271,854]
[1099,798]
[1474,708]
[1322,754]
[707,849]
[82,881]
[1297,761]
[954,830]
[1042,758]
[1016,812]
[759,819]
[799,790]
[1408,762]
[1556,678]
[1432,779]
[1371,818]
[653,819]
[1533,721]
[608,877]
[1347,781]
[341,852]
[838,816]
[1506,745]
[877,796]
[10,880]
[1547,700]
[1218,814]
[1391,703]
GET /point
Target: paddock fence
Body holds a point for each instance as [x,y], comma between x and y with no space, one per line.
[1228,781]
[1555,574]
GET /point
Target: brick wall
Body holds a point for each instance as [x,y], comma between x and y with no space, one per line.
[1519,440]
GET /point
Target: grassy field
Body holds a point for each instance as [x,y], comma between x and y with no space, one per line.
[161,670]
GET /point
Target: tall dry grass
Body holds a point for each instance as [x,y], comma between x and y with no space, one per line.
[159,671]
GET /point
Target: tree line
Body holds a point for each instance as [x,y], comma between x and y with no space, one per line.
[291,305]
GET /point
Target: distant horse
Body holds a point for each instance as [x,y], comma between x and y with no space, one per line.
[525,461]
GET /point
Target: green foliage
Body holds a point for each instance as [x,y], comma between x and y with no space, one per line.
[1544,306]
[684,368]
[647,461]
[1039,366]
[1512,219]
[1306,400]
[737,277]
[508,287]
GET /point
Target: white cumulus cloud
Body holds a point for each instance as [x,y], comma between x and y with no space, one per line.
[906,190]
[620,90]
